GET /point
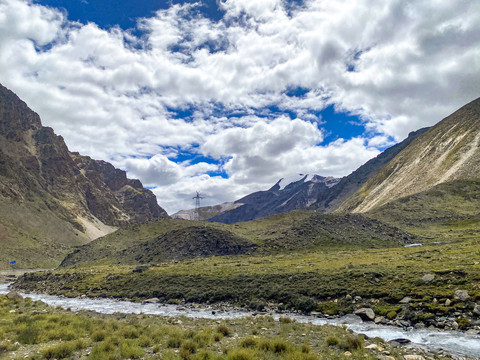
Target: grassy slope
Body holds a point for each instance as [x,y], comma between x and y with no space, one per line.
[447,212]
[297,230]
[33,235]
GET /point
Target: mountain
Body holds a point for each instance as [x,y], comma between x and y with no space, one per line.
[448,151]
[330,200]
[205,212]
[52,199]
[286,195]
[303,192]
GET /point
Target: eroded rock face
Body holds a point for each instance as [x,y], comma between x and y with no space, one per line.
[36,163]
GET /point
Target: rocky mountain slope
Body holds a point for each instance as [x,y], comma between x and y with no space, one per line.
[286,195]
[448,151]
[330,200]
[52,199]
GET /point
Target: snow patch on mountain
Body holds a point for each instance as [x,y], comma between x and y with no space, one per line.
[284,182]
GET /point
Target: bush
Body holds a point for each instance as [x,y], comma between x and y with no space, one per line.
[63,350]
[463,323]
[241,354]
[28,335]
[224,330]
[285,320]
[391,315]
[129,349]
[249,342]
[332,341]
[352,343]
[187,348]
[99,335]
[328,307]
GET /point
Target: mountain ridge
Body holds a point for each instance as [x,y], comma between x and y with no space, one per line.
[41,181]
[450,150]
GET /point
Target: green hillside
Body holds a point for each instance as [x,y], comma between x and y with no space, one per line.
[168,239]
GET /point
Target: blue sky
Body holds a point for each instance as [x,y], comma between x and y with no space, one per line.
[228,97]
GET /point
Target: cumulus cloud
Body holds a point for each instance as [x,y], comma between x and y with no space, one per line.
[115,95]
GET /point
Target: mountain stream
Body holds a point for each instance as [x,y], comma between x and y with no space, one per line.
[451,341]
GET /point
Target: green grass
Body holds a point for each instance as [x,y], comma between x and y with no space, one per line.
[302,281]
[147,337]
[168,239]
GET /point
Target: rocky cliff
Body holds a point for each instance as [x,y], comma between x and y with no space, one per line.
[51,198]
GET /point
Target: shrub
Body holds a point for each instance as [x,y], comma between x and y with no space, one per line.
[328,307]
[391,315]
[463,323]
[129,349]
[224,330]
[249,342]
[352,343]
[99,335]
[63,350]
[187,348]
[285,320]
[332,341]
[241,354]
[28,335]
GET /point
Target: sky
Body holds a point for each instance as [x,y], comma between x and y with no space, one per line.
[226,97]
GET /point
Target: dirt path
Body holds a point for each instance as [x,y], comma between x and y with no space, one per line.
[12,274]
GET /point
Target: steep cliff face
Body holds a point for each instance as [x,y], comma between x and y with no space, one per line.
[42,182]
[449,151]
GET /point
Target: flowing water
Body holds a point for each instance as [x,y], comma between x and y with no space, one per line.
[452,341]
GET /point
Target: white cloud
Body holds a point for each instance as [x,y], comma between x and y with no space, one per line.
[109,93]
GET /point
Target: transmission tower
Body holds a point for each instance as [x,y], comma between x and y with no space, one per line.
[197,206]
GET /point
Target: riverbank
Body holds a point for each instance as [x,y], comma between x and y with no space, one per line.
[435,286]
[297,337]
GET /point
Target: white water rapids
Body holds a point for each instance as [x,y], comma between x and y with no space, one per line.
[451,341]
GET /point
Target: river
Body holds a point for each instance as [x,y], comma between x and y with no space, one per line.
[451,341]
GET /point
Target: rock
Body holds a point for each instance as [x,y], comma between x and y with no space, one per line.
[366,314]
[372,347]
[14,295]
[399,341]
[379,319]
[151,301]
[413,357]
[405,300]
[348,297]
[427,278]
[347,353]
[448,302]
[461,295]
[476,309]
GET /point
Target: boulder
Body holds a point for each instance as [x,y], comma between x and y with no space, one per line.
[366,314]
[413,357]
[405,300]
[476,309]
[14,295]
[427,278]
[151,301]
[461,295]
[448,302]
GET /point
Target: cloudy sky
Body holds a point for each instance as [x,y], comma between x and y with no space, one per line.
[226,97]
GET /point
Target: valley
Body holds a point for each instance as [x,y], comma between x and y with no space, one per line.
[322,247]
